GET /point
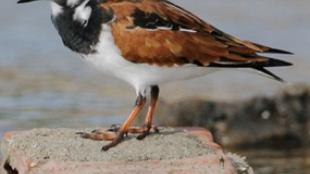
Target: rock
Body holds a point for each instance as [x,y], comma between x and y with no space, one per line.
[61,151]
[278,121]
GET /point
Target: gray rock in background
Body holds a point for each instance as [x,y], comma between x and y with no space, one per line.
[278,121]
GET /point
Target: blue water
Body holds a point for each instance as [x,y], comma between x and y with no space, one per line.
[44,84]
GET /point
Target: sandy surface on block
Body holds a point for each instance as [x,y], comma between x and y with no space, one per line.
[66,145]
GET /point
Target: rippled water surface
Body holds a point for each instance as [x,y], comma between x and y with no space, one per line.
[279,162]
[42,84]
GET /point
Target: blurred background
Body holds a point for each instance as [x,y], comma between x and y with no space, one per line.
[43,84]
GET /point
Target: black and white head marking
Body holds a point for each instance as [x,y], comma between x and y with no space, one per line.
[79,23]
[82,11]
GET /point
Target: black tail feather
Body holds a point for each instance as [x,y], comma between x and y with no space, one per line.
[269,73]
[260,66]
[272,50]
[270,63]
[274,63]
[277,51]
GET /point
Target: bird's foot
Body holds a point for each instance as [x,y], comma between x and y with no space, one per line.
[118,139]
[143,131]
[116,136]
[146,130]
[132,130]
[99,135]
[110,134]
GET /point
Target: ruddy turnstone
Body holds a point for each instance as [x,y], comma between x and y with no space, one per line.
[147,43]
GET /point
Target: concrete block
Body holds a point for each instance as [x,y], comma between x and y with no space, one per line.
[61,151]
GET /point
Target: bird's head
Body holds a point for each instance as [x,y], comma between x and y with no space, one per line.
[64,3]
[80,10]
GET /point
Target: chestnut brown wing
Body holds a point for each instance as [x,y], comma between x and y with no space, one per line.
[161,33]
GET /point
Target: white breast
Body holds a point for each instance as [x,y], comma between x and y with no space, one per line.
[140,76]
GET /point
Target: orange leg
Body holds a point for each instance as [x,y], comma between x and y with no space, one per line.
[150,113]
[116,134]
[125,127]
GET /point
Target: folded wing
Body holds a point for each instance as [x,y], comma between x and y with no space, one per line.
[158,32]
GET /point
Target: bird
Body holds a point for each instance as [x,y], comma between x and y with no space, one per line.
[147,43]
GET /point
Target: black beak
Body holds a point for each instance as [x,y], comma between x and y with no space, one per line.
[25,1]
